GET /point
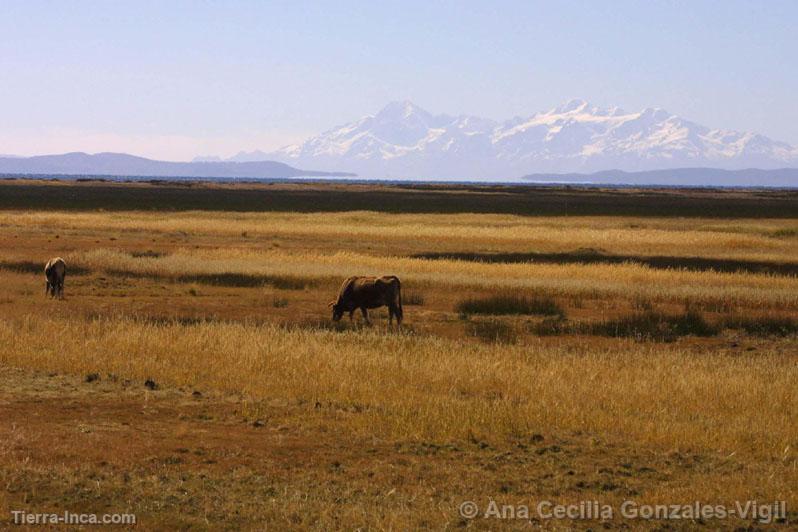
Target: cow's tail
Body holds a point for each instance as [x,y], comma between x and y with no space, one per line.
[398,302]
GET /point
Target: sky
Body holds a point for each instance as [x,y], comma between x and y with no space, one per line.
[172,80]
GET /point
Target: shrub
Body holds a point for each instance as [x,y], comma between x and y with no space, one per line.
[655,326]
[762,325]
[149,254]
[510,304]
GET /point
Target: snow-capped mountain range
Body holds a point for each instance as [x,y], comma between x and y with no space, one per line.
[405,141]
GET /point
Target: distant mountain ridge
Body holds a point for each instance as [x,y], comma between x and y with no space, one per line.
[121,164]
[782,177]
[406,141]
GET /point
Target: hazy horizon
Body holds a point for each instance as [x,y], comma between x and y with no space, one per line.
[177,80]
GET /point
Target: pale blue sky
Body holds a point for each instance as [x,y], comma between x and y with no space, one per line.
[175,79]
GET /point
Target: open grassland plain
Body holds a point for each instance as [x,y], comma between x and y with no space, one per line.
[569,346]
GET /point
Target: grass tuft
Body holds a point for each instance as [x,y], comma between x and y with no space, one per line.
[556,326]
[244,280]
[642,303]
[784,233]
[320,325]
[493,331]
[413,298]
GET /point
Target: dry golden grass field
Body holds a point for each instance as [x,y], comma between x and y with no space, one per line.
[560,345]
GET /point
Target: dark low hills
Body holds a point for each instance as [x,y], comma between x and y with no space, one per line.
[752,177]
[121,164]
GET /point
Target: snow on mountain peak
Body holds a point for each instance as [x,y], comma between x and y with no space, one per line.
[401,110]
[572,106]
[655,113]
[404,140]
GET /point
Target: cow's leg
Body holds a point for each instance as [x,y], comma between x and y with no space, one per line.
[46,288]
[390,315]
[365,314]
[352,315]
[397,311]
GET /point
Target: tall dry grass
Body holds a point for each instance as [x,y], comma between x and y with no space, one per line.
[325,234]
[433,389]
[599,281]
[740,239]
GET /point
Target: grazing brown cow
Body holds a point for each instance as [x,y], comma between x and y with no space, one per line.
[55,272]
[369,292]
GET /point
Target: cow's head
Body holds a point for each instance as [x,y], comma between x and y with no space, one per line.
[337,311]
